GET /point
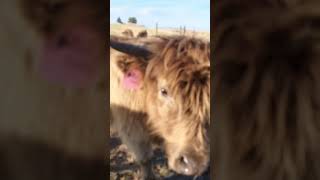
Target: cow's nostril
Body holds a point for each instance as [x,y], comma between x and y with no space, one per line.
[186,165]
[183,160]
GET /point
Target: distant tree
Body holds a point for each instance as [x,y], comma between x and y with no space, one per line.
[119,20]
[132,20]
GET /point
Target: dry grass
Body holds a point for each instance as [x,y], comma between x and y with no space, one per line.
[117,29]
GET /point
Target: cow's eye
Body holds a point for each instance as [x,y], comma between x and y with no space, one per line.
[164,92]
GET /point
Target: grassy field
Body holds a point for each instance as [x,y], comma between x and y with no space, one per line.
[117,29]
[122,165]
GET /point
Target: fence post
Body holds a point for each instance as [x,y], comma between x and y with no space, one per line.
[156,28]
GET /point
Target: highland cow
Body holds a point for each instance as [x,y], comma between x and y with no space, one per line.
[142,34]
[160,89]
[128,33]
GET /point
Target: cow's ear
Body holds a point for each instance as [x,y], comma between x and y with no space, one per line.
[133,77]
[131,49]
[132,70]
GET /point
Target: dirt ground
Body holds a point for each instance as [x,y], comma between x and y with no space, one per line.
[123,167]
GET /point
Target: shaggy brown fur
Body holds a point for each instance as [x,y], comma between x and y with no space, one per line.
[266,90]
[69,120]
[173,102]
[128,108]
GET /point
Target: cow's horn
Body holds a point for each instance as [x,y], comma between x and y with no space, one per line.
[131,49]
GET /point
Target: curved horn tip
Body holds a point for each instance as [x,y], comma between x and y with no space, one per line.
[131,49]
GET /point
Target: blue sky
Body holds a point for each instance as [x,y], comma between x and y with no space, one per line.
[194,14]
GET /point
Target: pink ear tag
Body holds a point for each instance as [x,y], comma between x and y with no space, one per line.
[132,80]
